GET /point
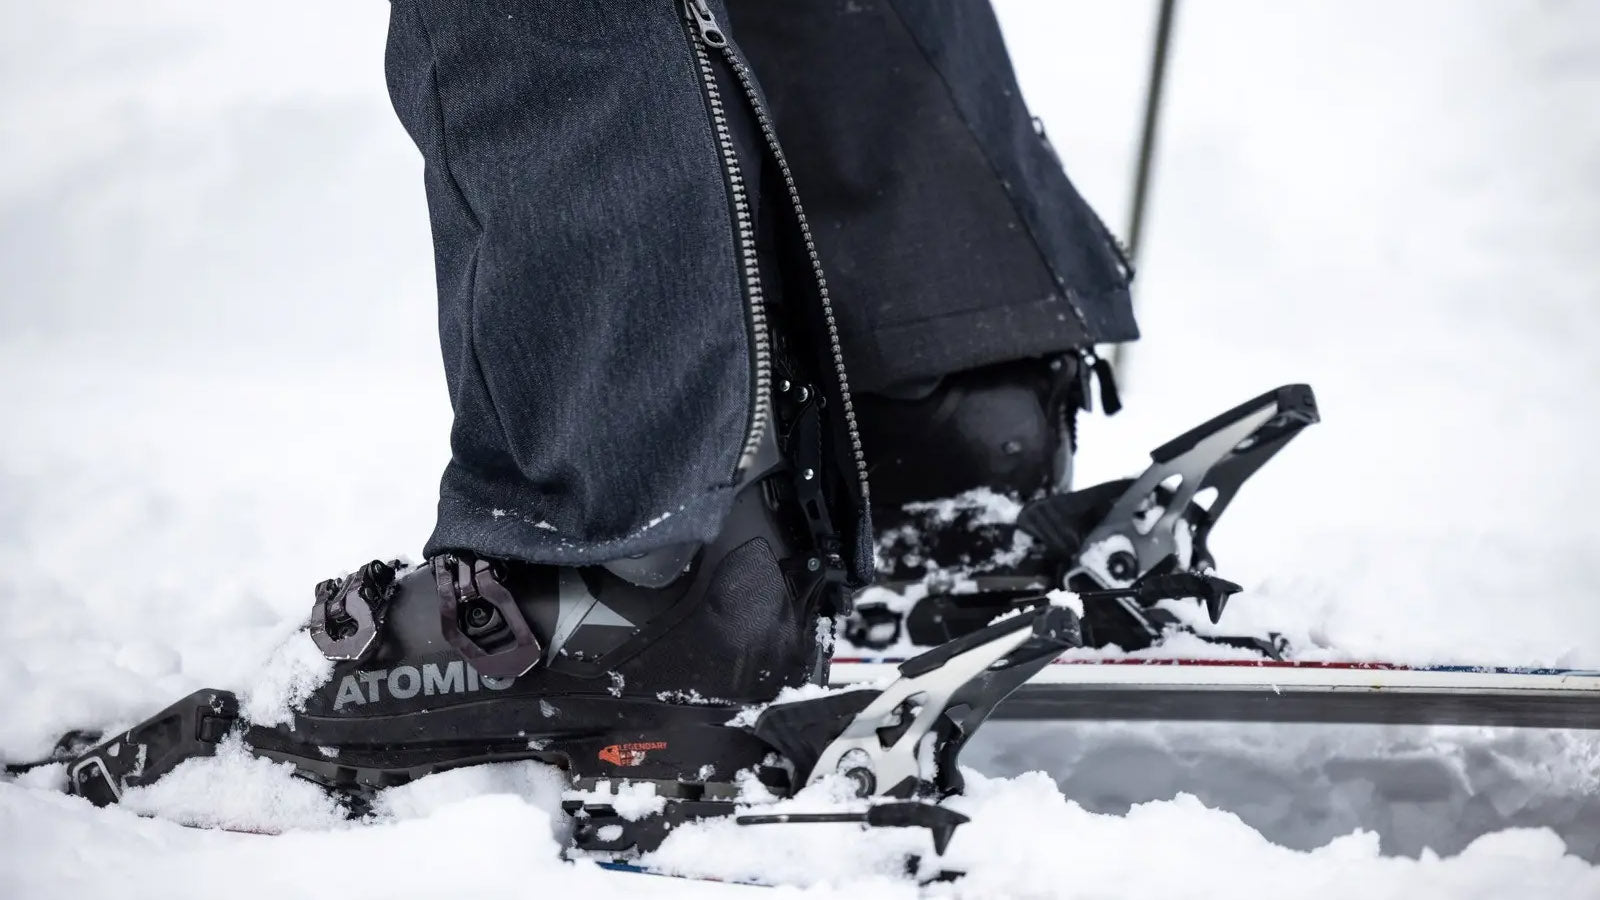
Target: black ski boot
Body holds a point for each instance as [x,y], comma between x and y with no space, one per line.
[629,669]
[975,514]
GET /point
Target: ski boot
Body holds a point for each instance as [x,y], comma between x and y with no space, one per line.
[628,669]
[661,669]
[895,748]
[997,444]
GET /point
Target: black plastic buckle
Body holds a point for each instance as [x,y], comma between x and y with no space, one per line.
[824,567]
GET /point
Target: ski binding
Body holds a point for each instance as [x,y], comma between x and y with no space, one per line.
[897,745]
[1115,536]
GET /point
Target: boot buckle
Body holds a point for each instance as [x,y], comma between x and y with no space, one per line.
[349,611]
[480,618]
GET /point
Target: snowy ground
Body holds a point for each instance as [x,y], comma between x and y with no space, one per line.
[217,364]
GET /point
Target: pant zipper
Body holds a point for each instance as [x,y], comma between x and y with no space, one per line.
[755,305]
[711,36]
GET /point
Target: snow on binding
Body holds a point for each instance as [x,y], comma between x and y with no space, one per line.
[1109,539]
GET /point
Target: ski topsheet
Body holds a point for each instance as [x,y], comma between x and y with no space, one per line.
[1274,691]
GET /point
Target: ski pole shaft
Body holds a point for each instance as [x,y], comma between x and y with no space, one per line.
[1147,145]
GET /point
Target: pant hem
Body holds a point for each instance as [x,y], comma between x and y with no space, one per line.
[929,348]
[465,525]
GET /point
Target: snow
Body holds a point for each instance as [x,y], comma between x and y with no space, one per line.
[790,854]
[539,785]
[747,717]
[631,801]
[472,845]
[219,369]
[237,790]
[1067,600]
[1306,785]
[1181,848]
[1401,217]
[985,506]
[291,674]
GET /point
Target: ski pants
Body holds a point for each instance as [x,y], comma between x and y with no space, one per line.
[593,316]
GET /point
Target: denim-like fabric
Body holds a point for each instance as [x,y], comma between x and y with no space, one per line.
[953,238]
[591,317]
[590,313]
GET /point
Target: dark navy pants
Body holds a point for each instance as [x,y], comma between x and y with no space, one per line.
[591,313]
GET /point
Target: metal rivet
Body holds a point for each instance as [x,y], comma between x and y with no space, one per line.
[1122,565]
[808,474]
[813,564]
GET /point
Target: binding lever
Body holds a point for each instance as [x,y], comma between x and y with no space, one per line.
[903,741]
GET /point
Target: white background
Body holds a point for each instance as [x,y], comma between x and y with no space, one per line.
[220,383]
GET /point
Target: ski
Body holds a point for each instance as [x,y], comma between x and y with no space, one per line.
[705,883]
[1266,690]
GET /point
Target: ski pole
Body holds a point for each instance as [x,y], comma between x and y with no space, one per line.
[1147,147]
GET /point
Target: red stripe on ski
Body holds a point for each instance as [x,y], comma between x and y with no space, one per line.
[1274,664]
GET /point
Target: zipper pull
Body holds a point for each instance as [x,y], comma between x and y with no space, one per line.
[710,31]
[1085,375]
[1110,399]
